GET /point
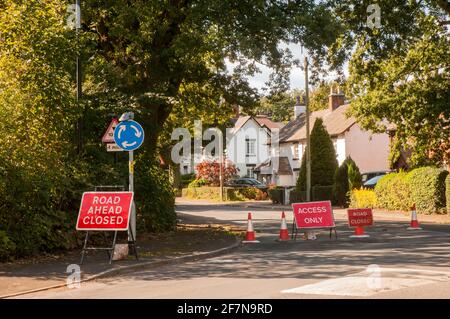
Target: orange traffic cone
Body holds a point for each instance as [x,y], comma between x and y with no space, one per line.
[284,234]
[250,235]
[359,233]
[414,222]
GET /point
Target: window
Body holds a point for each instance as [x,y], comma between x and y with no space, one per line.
[185,169]
[296,151]
[250,173]
[250,149]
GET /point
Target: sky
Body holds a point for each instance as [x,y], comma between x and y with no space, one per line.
[297,76]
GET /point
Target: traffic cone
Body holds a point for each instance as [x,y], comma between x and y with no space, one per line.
[284,234]
[414,222]
[250,235]
[359,233]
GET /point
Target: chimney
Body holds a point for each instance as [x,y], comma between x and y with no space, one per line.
[335,99]
[299,107]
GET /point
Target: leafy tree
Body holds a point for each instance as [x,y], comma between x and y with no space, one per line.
[346,178]
[323,159]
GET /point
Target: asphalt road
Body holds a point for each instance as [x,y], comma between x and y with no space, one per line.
[392,263]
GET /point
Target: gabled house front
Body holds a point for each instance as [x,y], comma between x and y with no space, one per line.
[370,151]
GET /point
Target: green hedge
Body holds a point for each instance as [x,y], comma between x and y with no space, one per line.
[229,194]
[318,193]
[276,195]
[423,186]
[427,186]
[447,192]
[393,192]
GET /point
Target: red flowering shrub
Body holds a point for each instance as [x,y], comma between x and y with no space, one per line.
[210,171]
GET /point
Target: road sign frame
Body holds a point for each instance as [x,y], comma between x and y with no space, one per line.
[110,250]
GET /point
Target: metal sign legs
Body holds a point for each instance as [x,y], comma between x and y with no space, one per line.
[296,230]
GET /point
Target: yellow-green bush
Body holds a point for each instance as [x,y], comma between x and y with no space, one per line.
[393,192]
[204,192]
[363,198]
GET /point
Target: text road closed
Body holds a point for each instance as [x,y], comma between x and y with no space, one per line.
[360,217]
[313,214]
[105,211]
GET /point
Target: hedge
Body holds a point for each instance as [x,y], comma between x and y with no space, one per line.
[230,193]
[393,192]
[317,193]
[423,186]
[447,192]
[427,186]
[276,195]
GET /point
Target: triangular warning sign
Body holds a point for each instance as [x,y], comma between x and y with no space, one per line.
[108,137]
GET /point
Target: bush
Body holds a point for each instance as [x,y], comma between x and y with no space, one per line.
[447,193]
[276,195]
[346,178]
[427,186]
[155,200]
[198,183]
[7,246]
[393,192]
[322,193]
[204,192]
[186,179]
[363,198]
[296,197]
[323,159]
[210,171]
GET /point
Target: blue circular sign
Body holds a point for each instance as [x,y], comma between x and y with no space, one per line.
[129,135]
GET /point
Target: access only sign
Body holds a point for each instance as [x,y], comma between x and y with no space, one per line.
[313,215]
[105,211]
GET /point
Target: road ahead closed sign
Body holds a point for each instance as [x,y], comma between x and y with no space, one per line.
[313,215]
[105,211]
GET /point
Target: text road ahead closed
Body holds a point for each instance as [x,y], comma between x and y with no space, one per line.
[105,211]
[313,214]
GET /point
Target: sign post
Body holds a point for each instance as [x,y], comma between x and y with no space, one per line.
[129,136]
[311,216]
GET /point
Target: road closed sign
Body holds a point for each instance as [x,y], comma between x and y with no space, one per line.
[313,214]
[105,211]
[359,217]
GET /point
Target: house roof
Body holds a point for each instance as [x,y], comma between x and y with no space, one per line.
[262,120]
[336,122]
[284,166]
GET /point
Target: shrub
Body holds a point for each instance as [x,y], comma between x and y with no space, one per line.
[155,200]
[276,195]
[427,185]
[322,193]
[447,193]
[363,198]
[346,178]
[7,246]
[186,179]
[393,192]
[323,159]
[204,192]
[210,171]
[296,197]
[198,183]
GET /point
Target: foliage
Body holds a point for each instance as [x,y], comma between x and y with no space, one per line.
[323,159]
[363,198]
[347,177]
[322,192]
[155,199]
[427,186]
[276,195]
[447,193]
[393,192]
[204,192]
[198,183]
[186,179]
[210,171]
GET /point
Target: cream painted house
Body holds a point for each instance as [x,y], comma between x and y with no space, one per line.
[370,151]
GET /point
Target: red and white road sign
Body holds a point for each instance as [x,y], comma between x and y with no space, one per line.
[105,211]
[313,214]
[108,137]
[358,217]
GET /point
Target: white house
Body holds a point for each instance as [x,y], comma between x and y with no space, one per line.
[369,151]
[248,142]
